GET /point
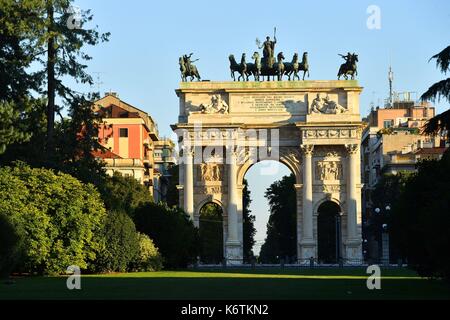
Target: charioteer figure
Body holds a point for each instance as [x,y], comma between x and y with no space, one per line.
[268,50]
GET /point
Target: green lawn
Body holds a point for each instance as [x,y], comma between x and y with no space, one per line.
[347,283]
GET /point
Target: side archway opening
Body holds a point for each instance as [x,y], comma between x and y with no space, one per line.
[329,232]
[211,233]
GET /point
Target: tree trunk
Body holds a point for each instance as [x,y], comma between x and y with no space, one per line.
[51,85]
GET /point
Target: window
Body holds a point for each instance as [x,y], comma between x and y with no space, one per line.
[123,133]
[387,124]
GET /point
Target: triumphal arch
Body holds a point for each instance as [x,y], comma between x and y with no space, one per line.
[313,127]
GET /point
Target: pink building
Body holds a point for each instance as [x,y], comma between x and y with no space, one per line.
[127,134]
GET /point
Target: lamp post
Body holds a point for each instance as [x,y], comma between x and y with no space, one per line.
[384,233]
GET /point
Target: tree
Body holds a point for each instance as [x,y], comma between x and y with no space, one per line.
[11,246]
[387,192]
[421,219]
[172,197]
[15,80]
[282,227]
[62,56]
[172,231]
[248,222]
[9,133]
[124,194]
[41,33]
[121,247]
[441,89]
[60,217]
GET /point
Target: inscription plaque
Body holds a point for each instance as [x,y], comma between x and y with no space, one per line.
[293,104]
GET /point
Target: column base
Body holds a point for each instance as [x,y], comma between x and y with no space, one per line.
[234,253]
[307,250]
[353,251]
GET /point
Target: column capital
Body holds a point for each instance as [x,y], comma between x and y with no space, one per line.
[188,151]
[307,149]
[232,151]
[352,148]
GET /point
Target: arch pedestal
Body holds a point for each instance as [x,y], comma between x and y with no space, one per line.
[273,121]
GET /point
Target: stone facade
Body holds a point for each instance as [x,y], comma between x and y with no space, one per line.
[313,127]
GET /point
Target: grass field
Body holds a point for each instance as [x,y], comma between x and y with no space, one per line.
[346,283]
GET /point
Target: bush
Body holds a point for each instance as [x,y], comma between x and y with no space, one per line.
[148,258]
[121,244]
[172,231]
[59,217]
[10,246]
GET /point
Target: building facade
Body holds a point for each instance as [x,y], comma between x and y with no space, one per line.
[392,142]
[128,136]
[391,131]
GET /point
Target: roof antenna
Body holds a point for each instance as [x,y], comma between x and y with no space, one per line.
[391,80]
[98,81]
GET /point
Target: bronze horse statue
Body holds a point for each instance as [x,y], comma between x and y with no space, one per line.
[254,68]
[295,66]
[349,68]
[192,72]
[260,67]
[240,68]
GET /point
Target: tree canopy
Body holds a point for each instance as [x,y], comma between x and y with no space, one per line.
[39,34]
[441,89]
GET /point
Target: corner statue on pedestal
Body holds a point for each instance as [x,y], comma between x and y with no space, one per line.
[349,67]
[188,69]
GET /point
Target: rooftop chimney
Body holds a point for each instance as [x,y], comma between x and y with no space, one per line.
[111,93]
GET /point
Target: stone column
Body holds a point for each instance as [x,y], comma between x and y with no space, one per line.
[188,182]
[353,241]
[233,245]
[299,218]
[353,156]
[307,242]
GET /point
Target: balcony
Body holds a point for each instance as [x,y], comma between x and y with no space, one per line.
[153,130]
[147,161]
[123,163]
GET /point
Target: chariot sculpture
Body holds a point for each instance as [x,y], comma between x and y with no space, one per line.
[267,65]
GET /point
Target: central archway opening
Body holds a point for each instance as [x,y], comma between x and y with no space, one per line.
[211,233]
[328,232]
[273,207]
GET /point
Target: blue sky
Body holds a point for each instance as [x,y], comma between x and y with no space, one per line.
[141,60]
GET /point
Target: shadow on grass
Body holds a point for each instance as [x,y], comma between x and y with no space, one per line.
[353,271]
[179,286]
